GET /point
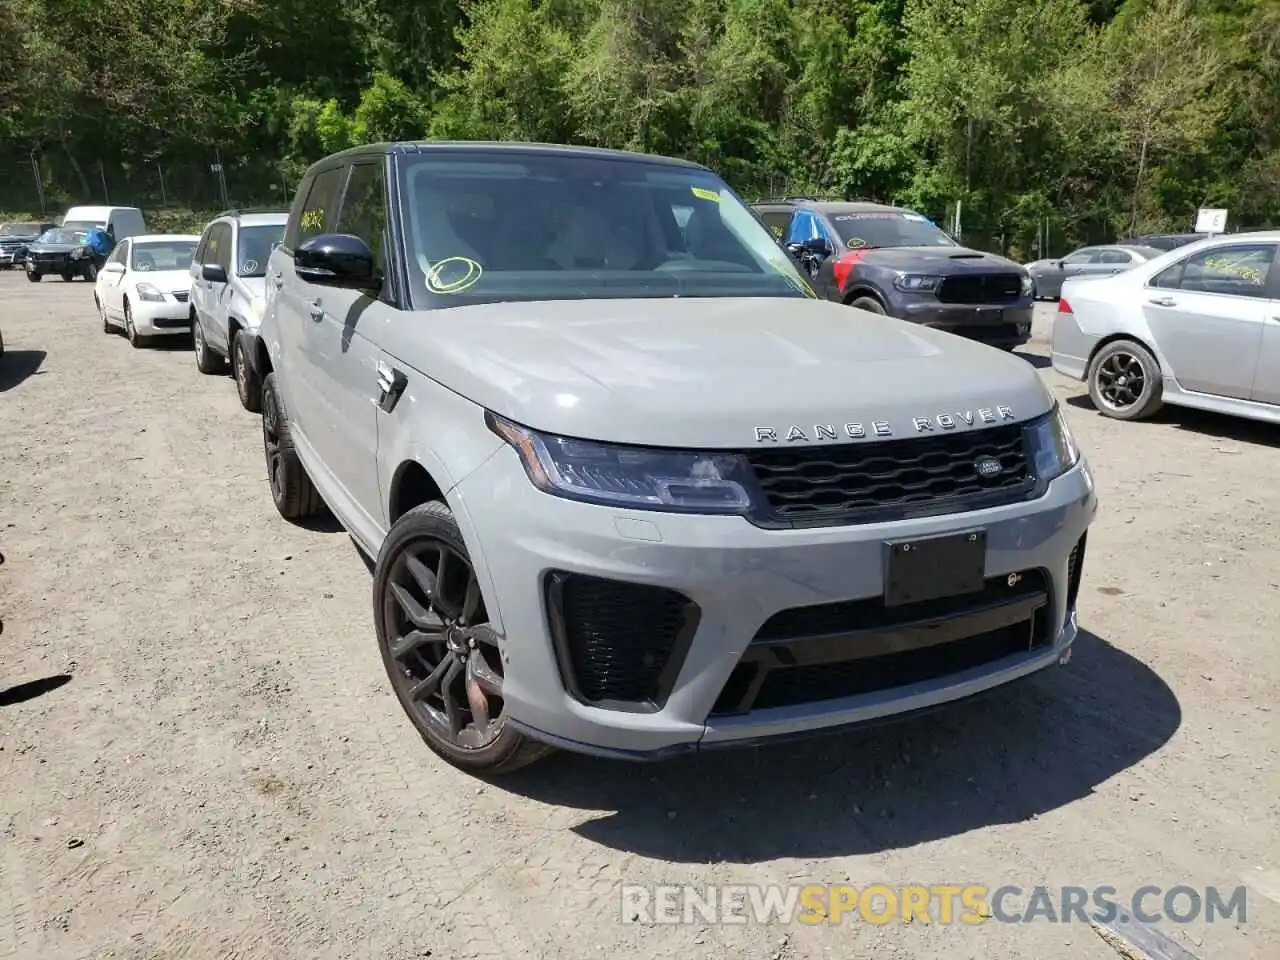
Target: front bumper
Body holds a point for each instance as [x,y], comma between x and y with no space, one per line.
[1072,347]
[10,258]
[738,576]
[997,324]
[152,318]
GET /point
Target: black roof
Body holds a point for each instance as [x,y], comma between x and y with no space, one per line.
[407,147]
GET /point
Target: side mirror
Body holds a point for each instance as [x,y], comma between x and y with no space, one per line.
[214,273]
[112,268]
[336,260]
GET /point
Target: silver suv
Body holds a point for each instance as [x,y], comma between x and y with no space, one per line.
[228,292]
[629,487]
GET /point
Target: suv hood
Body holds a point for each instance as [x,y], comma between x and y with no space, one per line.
[713,373]
[941,261]
[35,247]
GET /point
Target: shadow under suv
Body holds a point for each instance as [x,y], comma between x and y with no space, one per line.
[629,487]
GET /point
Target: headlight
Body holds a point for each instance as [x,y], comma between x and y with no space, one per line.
[147,292]
[79,253]
[1053,449]
[1027,284]
[916,282]
[635,477]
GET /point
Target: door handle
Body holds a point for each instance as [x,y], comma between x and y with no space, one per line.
[1164,301]
[277,280]
[315,310]
[391,384]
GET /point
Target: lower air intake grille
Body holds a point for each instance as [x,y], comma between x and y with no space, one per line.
[618,641]
[1075,571]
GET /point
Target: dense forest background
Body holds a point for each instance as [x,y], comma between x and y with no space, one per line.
[1089,117]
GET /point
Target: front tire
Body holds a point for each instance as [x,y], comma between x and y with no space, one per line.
[870,304]
[136,340]
[248,383]
[206,360]
[443,659]
[1125,382]
[292,491]
[35,276]
[91,272]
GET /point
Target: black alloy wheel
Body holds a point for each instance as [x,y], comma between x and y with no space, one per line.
[442,656]
[1125,381]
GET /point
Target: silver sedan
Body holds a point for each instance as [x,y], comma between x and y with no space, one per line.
[1050,274]
[1198,326]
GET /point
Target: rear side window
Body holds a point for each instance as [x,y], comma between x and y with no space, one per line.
[1114,256]
[1239,270]
[777,221]
[317,213]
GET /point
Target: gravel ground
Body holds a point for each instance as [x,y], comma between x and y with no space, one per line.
[225,773]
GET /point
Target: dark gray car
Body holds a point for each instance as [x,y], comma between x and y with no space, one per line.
[1102,261]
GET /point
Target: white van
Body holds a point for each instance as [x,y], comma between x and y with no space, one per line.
[120,222]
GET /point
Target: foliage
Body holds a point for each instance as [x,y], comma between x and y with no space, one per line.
[1091,117]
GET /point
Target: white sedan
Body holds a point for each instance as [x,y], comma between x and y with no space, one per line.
[144,286]
[1198,327]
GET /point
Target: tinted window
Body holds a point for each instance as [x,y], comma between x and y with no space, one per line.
[202,251]
[888,229]
[321,205]
[28,231]
[776,221]
[64,235]
[481,228]
[1086,255]
[254,246]
[1239,270]
[364,208]
[162,255]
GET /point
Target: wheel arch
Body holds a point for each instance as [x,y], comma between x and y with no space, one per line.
[1115,337]
[864,290]
[412,485]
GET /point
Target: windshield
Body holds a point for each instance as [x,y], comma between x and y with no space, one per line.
[571,227]
[906,229]
[162,255]
[65,235]
[24,230]
[255,246]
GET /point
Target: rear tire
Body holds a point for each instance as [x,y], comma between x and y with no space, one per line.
[106,324]
[1125,381]
[870,304]
[292,491]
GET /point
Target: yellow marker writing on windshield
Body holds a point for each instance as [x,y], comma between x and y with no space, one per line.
[436,274]
[705,194]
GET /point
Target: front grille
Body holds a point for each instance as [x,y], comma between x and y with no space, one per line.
[840,484]
[981,288]
[856,647]
[180,295]
[618,642]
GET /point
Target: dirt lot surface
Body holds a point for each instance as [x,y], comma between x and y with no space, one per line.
[225,773]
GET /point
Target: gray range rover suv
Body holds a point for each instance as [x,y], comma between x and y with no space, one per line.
[630,487]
